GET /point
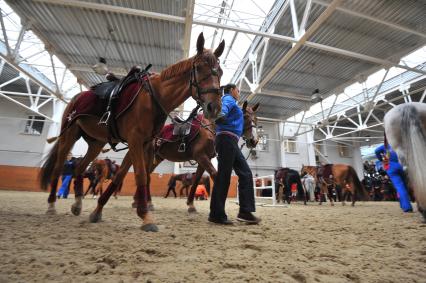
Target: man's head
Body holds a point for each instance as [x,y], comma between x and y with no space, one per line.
[233,90]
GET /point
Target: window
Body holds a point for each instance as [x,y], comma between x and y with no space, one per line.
[263,144]
[34,125]
[290,146]
[344,150]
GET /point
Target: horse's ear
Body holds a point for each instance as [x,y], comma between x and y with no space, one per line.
[200,44]
[219,49]
[255,107]
[245,106]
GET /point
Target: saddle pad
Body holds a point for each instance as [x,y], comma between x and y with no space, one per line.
[88,103]
[167,132]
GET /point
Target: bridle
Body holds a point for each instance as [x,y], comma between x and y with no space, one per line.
[193,82]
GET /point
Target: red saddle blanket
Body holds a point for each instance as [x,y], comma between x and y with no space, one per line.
[87,103]
[166,133]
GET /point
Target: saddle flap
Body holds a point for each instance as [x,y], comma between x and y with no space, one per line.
[103,90]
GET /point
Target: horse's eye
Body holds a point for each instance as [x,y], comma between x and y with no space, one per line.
[214,71]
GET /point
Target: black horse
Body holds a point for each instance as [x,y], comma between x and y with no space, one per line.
[284,177]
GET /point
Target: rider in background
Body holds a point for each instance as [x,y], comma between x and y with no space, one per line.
[393,168]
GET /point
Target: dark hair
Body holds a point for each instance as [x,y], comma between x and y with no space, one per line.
[227,88]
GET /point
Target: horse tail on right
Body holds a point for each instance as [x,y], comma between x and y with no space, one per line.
[413,145]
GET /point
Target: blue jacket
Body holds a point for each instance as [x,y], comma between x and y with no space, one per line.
[381,150]
[233,120]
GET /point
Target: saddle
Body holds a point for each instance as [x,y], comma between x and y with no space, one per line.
[180,130]
[324,172]
[110,91]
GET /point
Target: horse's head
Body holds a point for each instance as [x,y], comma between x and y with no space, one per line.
[250,125]
[205,78]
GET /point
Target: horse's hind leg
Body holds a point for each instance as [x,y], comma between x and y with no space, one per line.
[65,144]
[94,149]
[195,180]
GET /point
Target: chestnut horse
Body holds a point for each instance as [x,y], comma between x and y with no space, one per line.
[343,175]
[102,170]
[405,127]
[197,77]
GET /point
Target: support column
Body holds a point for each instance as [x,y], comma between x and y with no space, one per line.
[281,143]
[310,148]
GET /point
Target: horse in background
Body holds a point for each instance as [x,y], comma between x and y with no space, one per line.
[284,177]
[99,172]
[188,179]
[405,128]
[337,174]
[146,103]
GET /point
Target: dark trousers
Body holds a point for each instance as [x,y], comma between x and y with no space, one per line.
[230,157]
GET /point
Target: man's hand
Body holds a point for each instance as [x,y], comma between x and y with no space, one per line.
[220,119]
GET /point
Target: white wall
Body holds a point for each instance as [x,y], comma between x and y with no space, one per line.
[16,148]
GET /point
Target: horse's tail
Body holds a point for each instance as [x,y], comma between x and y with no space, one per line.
[359,187]
[47,167]
[52,139]
[413,143]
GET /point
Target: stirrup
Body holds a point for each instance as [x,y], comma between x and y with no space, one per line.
[182,147]
[104,120]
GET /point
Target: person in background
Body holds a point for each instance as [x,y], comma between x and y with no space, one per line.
[229,128]
[308,181]
[67,174]
[201,193]
[171,187]
[393,168]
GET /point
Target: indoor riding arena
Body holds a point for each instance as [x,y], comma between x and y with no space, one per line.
[212,141]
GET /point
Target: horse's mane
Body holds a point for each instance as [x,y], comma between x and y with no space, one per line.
[176,69]
[185,65]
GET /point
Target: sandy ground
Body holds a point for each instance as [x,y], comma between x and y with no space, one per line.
[373,242]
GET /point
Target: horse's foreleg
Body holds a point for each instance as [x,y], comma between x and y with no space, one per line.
[117,181]
[195,180]
[136,151]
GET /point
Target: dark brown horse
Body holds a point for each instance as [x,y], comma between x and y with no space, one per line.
[202,149]
[198,76]
[338,174]
[187,179]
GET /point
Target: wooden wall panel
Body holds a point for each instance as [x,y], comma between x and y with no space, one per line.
[25,179]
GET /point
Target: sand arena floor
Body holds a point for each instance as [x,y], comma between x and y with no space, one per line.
[373,242]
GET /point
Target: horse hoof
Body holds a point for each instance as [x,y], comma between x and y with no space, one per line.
[95,217]
[134,205]
[151,227]
[192,210]
[76,210]
[151,207]
[51,211]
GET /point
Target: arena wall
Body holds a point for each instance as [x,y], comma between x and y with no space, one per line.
[22,178]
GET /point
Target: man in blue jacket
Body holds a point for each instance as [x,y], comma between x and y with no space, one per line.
[393,168]
[229,128]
